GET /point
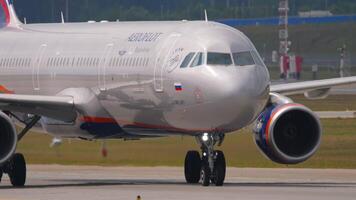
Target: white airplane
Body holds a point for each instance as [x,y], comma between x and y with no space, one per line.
[131,80]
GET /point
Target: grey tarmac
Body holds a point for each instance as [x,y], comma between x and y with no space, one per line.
[83,182]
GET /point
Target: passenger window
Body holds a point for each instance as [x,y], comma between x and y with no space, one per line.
[243,58]
[187,60]
[92,62]
[198,60]
[140,63]
[219,59]
[116,61]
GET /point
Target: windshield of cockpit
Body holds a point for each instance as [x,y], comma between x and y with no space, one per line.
[243,58]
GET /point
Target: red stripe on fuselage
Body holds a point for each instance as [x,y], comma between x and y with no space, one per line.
[6,11]
[100,120]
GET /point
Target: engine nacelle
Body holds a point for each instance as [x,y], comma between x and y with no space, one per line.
[288,133]
[8,138]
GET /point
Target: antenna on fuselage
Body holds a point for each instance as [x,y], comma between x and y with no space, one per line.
[206,15]
[62,17]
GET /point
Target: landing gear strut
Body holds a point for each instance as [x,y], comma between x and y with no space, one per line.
[211,167]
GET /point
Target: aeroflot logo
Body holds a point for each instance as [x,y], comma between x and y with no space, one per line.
[144,37]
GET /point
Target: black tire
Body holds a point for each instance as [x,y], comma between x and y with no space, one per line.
[1,175]
[219,169]
[192,166]
[205,174]
[17,170]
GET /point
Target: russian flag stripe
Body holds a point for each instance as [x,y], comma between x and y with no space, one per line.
[178,86]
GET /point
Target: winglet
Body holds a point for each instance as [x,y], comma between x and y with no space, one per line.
[11,20]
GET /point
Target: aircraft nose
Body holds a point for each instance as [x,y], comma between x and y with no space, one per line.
[248,81]
[244,94]
[226,98]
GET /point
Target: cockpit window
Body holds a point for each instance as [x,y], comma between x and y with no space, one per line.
[257,58]
[187,60]
[219,59]
[198,60]
[243,58]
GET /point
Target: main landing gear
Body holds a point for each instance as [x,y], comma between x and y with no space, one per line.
[211,167]
[15,167]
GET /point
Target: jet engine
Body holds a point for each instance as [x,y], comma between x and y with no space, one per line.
[8,138]
[287,133]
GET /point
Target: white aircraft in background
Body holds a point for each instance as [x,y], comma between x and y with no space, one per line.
[132,80]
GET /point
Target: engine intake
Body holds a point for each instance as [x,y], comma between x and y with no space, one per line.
[288,133]
[8,138]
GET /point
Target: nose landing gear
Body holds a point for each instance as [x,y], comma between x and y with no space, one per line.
[192,167]
[211,167]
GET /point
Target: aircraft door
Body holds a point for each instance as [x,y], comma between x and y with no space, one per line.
[36,66]
[103,64]
[162,60]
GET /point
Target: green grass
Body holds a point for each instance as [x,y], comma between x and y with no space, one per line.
[331,103]
[338,150]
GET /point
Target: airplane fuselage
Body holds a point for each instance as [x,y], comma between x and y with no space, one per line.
[136,72]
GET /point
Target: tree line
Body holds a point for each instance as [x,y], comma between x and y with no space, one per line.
[130,10]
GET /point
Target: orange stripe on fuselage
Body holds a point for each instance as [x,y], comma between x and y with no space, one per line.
[4,90]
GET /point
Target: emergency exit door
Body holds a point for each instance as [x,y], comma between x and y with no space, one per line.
[36,63]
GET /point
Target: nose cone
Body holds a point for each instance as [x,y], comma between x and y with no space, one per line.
[225,99]
[235,81]
[242,95]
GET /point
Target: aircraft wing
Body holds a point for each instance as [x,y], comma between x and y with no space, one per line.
[55,107]
[311,86]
